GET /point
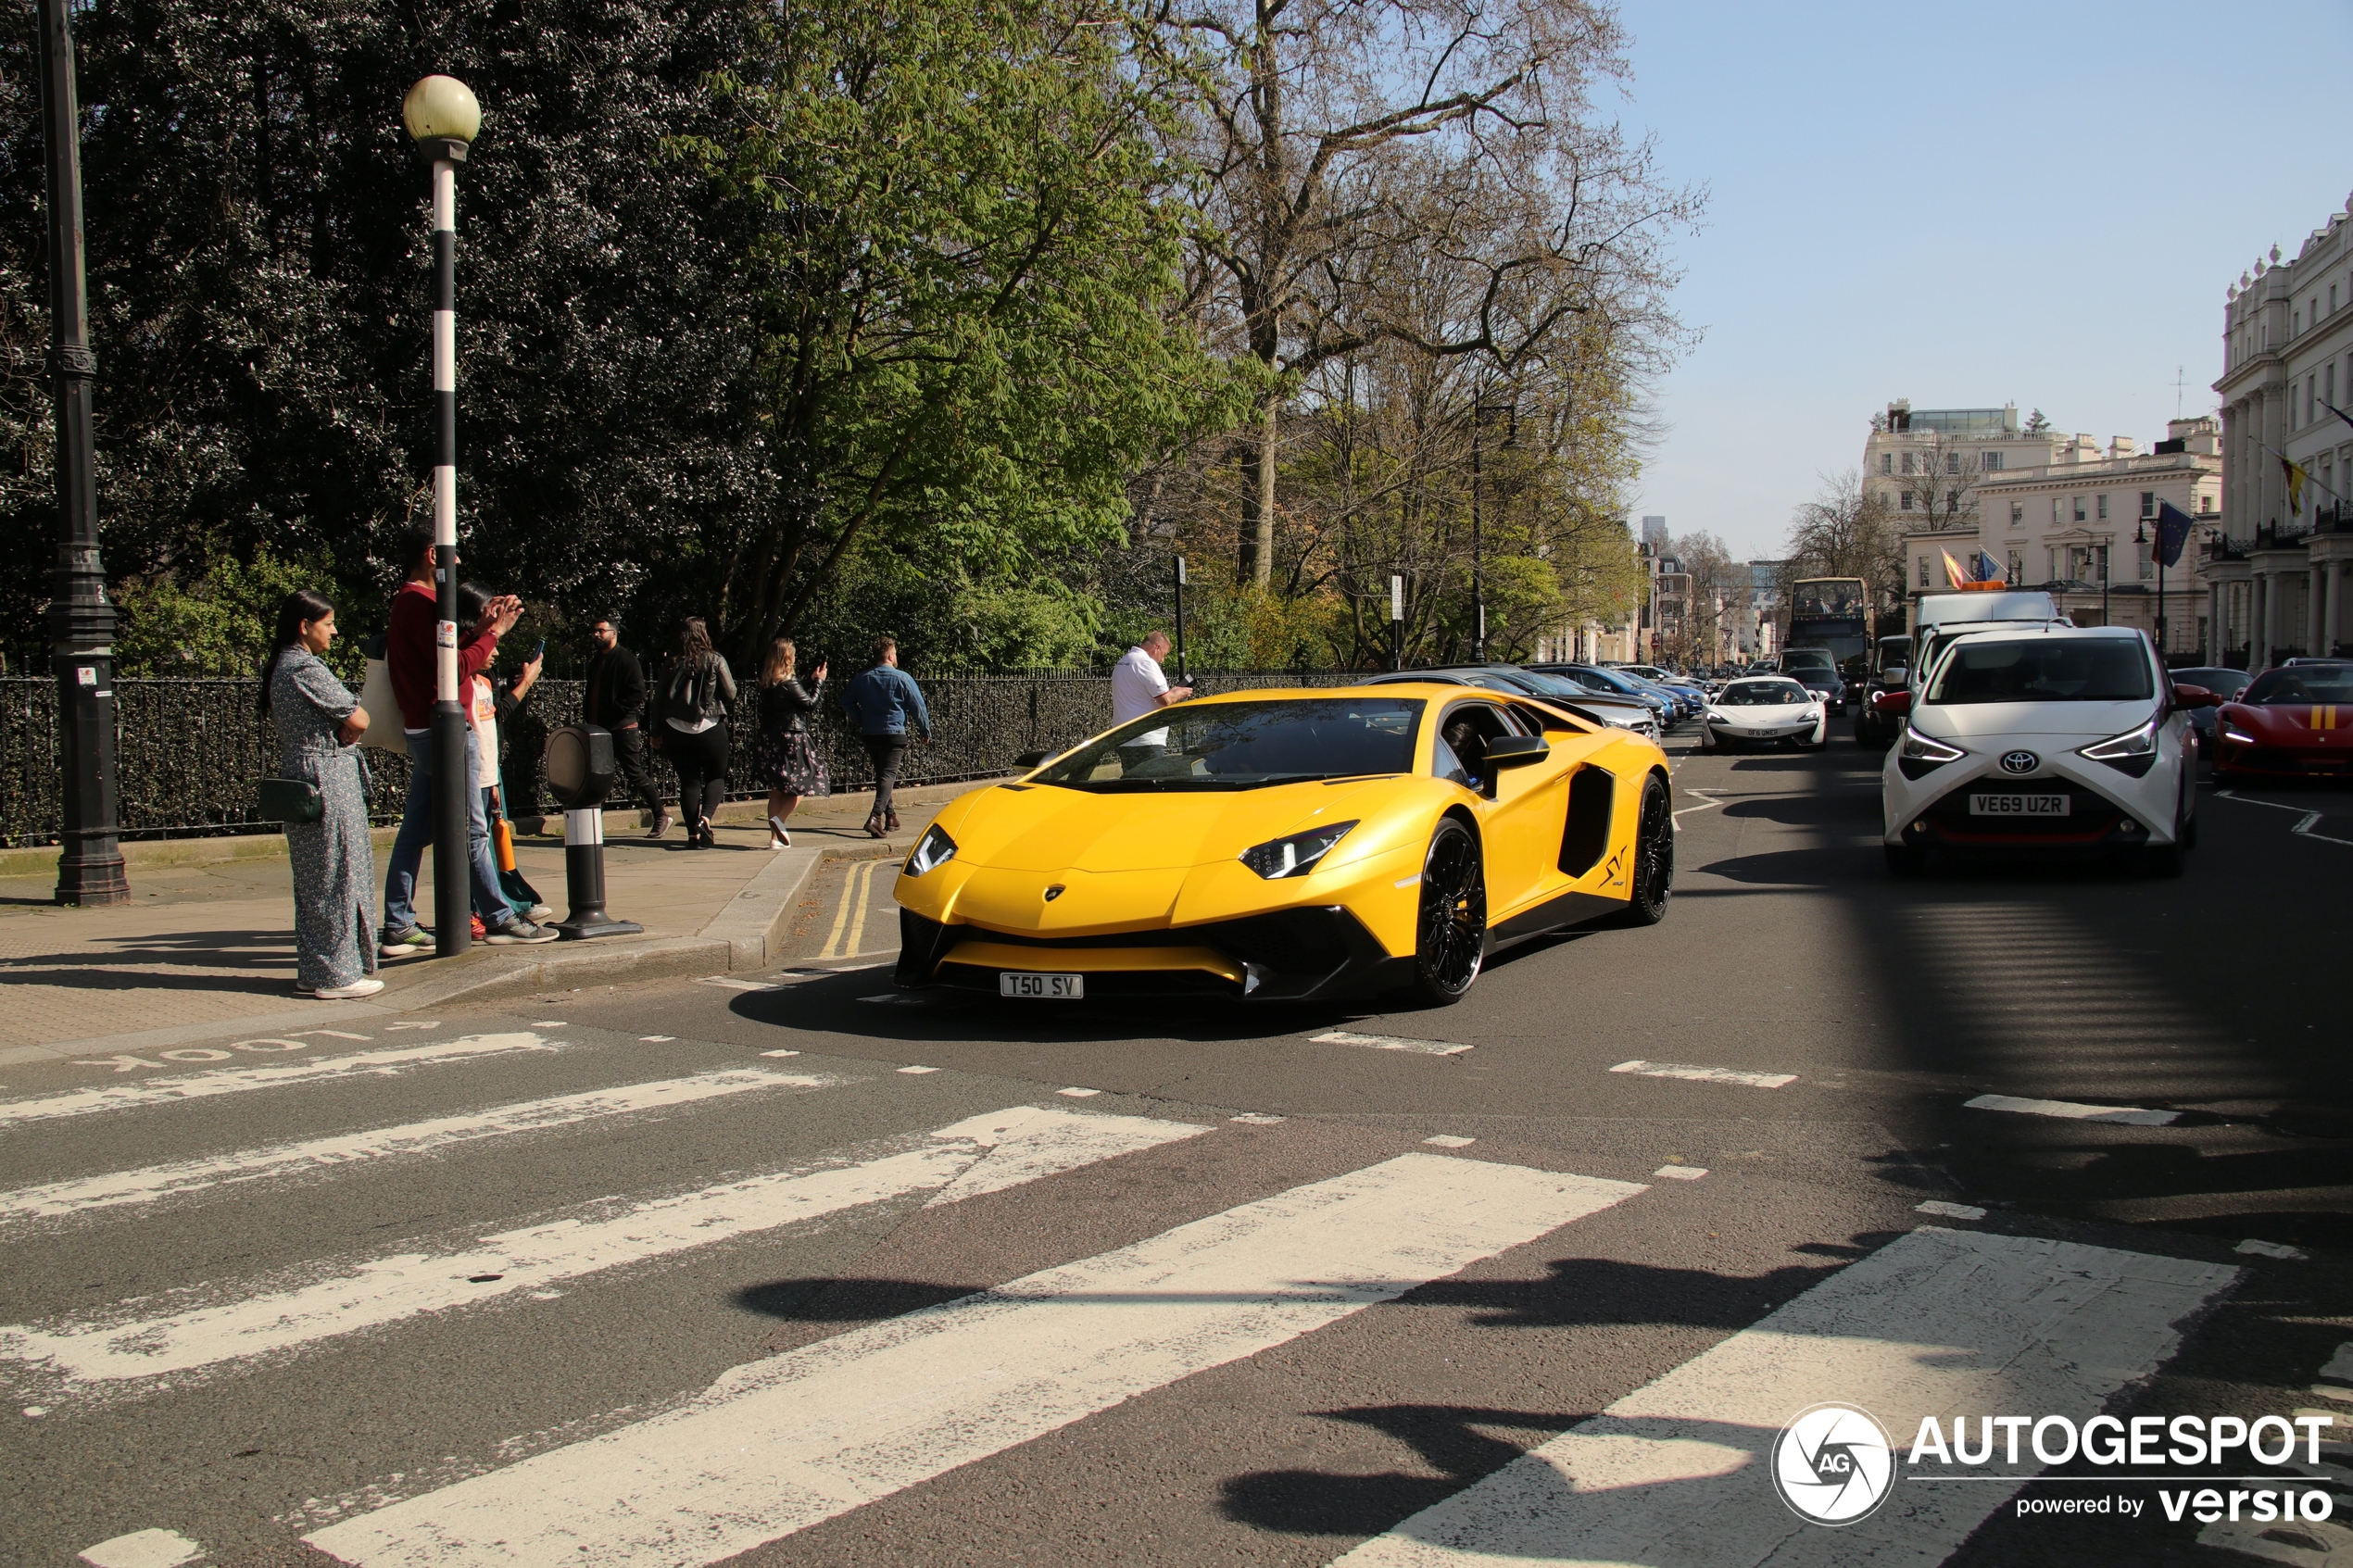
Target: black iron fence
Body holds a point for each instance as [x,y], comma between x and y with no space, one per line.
[191,753]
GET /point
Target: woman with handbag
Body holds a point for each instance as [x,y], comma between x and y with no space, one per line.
[319,724]
[693,732]
[785,757]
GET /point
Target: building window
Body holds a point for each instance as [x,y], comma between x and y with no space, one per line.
[2148,503]
[2055,508]
[2102,509]
[2079,509]
[1951,502]
[1952,462]
[2206,503]
[1907,501]
[2018,513]
[2311,386]
[2332,299]
[1907,462]
[1993,462]
[1923,571]
[2328,382]
[1887,462]
[2016,567]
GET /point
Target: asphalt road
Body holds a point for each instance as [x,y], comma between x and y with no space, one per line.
[811,1273]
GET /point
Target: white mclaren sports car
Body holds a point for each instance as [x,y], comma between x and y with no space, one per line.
[1764,710]
[2047,741]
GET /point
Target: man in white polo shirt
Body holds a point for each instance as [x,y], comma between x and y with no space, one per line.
[1139,687]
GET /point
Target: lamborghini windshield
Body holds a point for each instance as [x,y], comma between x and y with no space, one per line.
[1245,745]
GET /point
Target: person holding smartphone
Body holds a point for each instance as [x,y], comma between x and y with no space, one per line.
[785,758]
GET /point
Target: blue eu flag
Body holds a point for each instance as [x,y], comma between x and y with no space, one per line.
[2174,527]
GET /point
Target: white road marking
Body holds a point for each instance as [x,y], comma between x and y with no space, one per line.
[779,1444]
[203,1086]
[1680,1172]
[919,1069]
[1076,1093]
[2340,1366]
[654,1039]
[1255,1119]
[415,1024]
[2256,1249]
[732,983]
[1449,1140]
[1387,1043]
[143,1549]
[2130,1115]
[183,1177]
[2305,824]
[549,1023]
[977,1155]
[1705,1074]
[1945,1210]
[2330,1391]
[1937,1323]
[780,1053]
[1707,798]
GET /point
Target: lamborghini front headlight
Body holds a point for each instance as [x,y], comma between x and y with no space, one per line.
[1297,855]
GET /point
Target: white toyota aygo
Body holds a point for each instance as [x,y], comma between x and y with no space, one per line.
[2047,741]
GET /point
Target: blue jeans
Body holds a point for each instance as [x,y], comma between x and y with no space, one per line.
[416,831]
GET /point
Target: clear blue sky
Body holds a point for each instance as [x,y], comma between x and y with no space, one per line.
[1965,206]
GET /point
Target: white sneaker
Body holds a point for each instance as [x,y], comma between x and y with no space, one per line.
[778,837]
[538,912]
[350,992]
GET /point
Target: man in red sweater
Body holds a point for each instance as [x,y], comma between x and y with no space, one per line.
[408,659]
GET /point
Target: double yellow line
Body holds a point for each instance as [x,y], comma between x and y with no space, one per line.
[848,937]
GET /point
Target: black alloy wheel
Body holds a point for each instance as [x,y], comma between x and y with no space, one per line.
[1653,856]
[1451,936]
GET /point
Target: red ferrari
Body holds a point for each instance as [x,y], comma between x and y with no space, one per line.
[2296,722]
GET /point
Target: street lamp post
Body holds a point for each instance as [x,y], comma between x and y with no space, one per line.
[81,620]
[443,117]
[1480,411]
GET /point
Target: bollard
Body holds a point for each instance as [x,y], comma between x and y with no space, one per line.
[580,771]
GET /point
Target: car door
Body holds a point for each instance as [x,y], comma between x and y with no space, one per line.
[1520,812]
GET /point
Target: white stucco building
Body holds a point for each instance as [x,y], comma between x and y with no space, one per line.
[1923,464]
[2278,565]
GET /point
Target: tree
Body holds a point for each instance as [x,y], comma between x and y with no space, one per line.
[965,243]
[1353,150]
[1846,530]
[258,271]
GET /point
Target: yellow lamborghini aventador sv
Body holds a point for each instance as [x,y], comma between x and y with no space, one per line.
[1289,846]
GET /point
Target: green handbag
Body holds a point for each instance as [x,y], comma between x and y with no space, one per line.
[291,800]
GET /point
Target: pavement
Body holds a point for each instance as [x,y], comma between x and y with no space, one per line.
[783,1267]
[208,943]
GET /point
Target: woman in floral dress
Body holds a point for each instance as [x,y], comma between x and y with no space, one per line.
[319,724]
[785,756]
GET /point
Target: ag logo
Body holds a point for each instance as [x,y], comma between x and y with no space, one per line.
[2019,761]
[1833,1464]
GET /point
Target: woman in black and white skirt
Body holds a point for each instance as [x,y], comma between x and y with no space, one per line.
[785,757]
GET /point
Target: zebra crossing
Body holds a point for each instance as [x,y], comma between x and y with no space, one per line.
[1210,1238]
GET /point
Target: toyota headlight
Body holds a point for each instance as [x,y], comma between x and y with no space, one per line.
[932,851]
[2134,752]
[1295,855]
[1918,748]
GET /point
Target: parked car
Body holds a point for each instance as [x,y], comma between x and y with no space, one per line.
[1817,672]
[2296,722]
[1764,710]
[2223,682]
[1671,706]
[1601,708]
[1694,694]
[2044,740]
[1668,707]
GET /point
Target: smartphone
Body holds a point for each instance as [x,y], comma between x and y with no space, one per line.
[540,650]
